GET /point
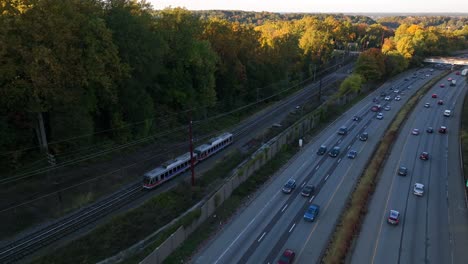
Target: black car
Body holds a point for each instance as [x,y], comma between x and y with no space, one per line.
[356,118]
[334,152]
[364,136]
[403,171]
[322,150]
[343,130]
[289,186]
[308,190]
[430,130]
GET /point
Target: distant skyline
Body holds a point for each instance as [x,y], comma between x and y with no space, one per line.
[311,6]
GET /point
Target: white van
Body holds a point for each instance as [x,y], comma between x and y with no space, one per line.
[447,113]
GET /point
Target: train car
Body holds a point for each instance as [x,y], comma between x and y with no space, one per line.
[213,146]
[167,170]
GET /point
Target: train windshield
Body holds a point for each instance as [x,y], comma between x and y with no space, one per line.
[146,180]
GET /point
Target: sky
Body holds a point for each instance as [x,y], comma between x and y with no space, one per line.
[322,6]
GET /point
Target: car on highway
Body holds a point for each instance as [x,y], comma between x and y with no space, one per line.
[289,186]
[430,130]
[312,212]
[449,79]
[415,131]
[308,190]
[352,154]
[447,113]
[387,108]
[375,100]
[387,98]
[343,130]
[442,85]
[443,129]
[427,105]
[397,98]
[364,136]
[322,150]
[402,171]
[396,91]
[379,116]
[334,152]
[393,217]
[424,156]
[434,95]
[287,257]
[356,118]
[440,102]
[376,108]
[457,73]
[418,189]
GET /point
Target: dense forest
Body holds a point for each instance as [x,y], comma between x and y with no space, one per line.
[117,70]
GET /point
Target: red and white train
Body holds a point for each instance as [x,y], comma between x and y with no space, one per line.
[172,168]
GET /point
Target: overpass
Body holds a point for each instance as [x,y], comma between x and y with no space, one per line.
[448,60]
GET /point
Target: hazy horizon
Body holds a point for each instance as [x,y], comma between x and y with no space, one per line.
[337,6]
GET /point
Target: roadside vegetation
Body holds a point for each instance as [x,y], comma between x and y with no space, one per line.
[349,224]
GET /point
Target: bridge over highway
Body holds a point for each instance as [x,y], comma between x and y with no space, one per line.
[448,60]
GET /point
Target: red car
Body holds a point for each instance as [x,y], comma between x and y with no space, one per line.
[287,257]
[424,156]
[434,95]
[443,130]
[376,108]
[440,102]
[457,73]
[449,79]
[442,85]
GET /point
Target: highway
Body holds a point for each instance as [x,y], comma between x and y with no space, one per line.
[273,220]
[433,228]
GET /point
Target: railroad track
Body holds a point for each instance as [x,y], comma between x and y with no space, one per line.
[31,243]
[41,238]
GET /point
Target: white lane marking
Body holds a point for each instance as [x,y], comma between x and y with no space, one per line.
[339,141]
[349,147]
[311,198]
[365,126]
[339,160]
[260,239]
[318,166]
[326,178]
[284,207]
[245,229]
[292,227]
[303,184]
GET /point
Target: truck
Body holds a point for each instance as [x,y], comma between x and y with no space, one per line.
[453,83]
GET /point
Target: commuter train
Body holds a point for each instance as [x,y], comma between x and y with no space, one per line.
[172,168]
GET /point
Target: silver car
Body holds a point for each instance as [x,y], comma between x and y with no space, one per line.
[418,189]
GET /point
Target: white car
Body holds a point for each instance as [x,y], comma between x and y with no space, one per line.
[447,113]
[415,131]
[427,105]
[387,108]
[387,98]
[379,116]
[396,91]
[418,189]
[397,98]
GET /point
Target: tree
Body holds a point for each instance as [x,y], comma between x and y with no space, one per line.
[371,64]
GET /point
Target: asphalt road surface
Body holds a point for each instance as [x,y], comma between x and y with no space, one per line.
[273,221]
[433,228]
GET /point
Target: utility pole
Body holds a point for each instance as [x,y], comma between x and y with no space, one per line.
[192,167]
[320,91]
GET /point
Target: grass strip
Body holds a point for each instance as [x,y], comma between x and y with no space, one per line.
[464,136]
[351,218]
